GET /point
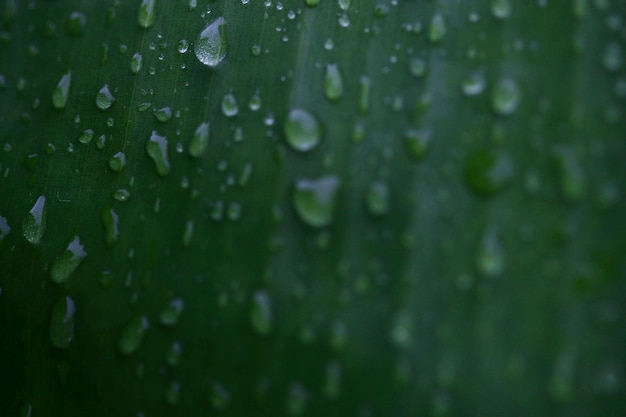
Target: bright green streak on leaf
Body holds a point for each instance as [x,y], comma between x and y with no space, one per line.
[156,147]
[68,261]
[61,91]
[61,329]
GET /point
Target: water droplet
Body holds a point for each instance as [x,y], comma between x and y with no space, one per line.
[101,141]
[86,136]
[173,354]
[490,260]
[296,399]
[333,83]
[133,335]
[418,142]
[68,261]
[61,91]
[188,233]
[501,8]
[110,221]
[61,328]
[4,228]
[365,87]
[210,46]
[136,63]
[143,106]
[170,315]
[34,224]
[613,57]
[104,98]
[314,200]
[261,312]
[311,3]
[220,397]
[76,23]
[378,198]
[302,130]
[255,102]
[229,105]
[183,46]
[338,335]
[117,162]
[200,140]
[332,383]
[474,84]
[121,195]
[417,67]
[505,96]
[163,114]
[401,332]
[437,29]
[156,147]
[571,175]
[488,172]
[146,15]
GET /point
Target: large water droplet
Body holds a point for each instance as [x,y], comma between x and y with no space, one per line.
[314,200]
[200,140]
[34,224]
[146,14]
[302,130]
[378,198]
[61,328]
[117,162]
[505,96]
[229,105]
[261,312]
[210,46]
[133,335]
[61,91]
[68,261]
[156,147]
[136,63]
[86,136]
[488,172]
[170,315]
[104,98]
[4,228]
[110,221]
[333,83]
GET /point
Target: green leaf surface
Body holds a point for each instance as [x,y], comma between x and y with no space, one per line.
[312,208]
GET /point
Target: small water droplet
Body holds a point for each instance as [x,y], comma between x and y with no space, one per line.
[34,224]
[220,397]
[146,14]
[68,261]
[117,162]
[501,8]
[61,91]
[417,67]
[261,312]
[229,105]
[200,140]
[188,233]
[136,63]
[76,23]
[365,87]
[163,114]
[488,172]
[314,200]
[255,102]
[418,142]
[4,228]
[121,195]
[490,259]
[378,198]
[333,83]
[332,383]
[61,329]
[210,46]
[302,130]
[110,221]
[183,46]
[104,98]
[613,57]
[437,29]
[156,147]
[505,96]
[296,399]
[133,335]
[170,315]
[86,136]
[474,84]
[173,354]
[402,332]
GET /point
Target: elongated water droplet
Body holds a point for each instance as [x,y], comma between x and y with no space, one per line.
[76,23]
[333,83]
[68,261]
[188,233]
[437,29]
[133,335]
[61,91]
[488,172]
[61,329]
[117,162]
[505,96]
[229,105]
[34,224]
[200,140]
[378,198]
[104,98]
[136,63]
[365,86]
[417,67]
[490,259]
[314,200]
[156,147]
[146,15]
[261,312]
[302,130]
[210,46]
[418,142]
[163,114]
[297,399]
[332,384]
[4,228]
[170,315]
[110,221]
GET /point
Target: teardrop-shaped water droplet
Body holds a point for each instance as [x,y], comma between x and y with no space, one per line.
[117,162]
[505,96]
[170,315]
[488,172]
[200,140]
[4,228]
[156,147]
[86,136]
[474,84]
[136,63]
[418,142]
[417,67]
[437,29]
[133,335]
[332,383]
[110,221]
[333,83]
[302,130]
[34,224]
[261,312]
[104,98]
[146,14]
[163,114]
[229,105]
[61,91]
[210,46]
[68,261]
[314,200]
[76,23]
[61,329]
[378,198]
[255,102]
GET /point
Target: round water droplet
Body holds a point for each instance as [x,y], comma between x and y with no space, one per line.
[229,105]
[505,96]
[76,23]
[613,57]
[378,198]
[68,261]
[261,312]
[183,46]
[417,67]
[133,335]
[86,136]
[490,257]
[488,172]
[61,91]
[104,98]
[117,162]
[61,329]
[333,83]
[210,46]
[146,14]
[314,200]
[474,84]
[121,195]
[170,315]
[163,114]
[200,140]
[34,224]
[501,8]
[156,147]
[302,130]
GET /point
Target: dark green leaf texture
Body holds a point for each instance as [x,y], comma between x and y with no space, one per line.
[335,208]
